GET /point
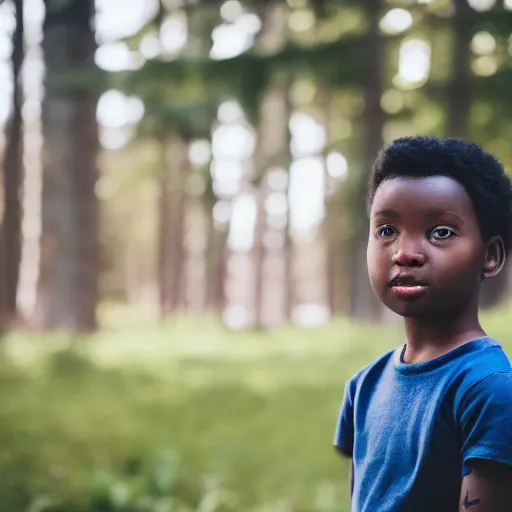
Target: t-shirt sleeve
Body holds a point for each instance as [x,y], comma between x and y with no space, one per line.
[486,420]
[344,436]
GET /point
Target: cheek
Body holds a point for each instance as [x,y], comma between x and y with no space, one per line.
[378,261]
[462,262]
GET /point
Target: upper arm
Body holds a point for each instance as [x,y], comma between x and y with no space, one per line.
[485,419]
[486,428]
[487,488]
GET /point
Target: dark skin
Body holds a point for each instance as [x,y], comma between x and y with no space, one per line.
[488,488]
[427,259]
[426,229]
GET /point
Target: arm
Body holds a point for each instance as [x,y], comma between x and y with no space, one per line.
[487,488]
[485,419]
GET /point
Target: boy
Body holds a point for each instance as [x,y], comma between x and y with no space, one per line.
[429,425]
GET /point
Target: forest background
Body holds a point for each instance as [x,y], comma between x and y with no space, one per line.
[183,287]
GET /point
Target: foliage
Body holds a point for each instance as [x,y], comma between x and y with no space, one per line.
[187,417]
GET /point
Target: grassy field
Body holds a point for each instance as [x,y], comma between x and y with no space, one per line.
[186,417]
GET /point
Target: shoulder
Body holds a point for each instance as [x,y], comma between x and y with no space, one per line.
[480,370]
[495,387]
[370,371]
[482,394]
[344,435]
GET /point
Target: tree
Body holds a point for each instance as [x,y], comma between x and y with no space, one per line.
[363,303]
[10,234]
[69,267]
[273,149]
[216,253]
[172,209]
[459,88]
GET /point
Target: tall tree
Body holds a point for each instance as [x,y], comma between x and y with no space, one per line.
[273,149]
[459,88]
[69,267]
[335,273]
[259,255]
[363,303]
[290,293]
[172,208]
[10,234]
[332,228]
[216,253]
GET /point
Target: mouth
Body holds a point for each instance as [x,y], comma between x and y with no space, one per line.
[407,287]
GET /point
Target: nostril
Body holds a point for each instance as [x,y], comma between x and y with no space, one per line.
[408,259]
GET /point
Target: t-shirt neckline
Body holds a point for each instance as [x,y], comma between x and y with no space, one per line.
[427,366]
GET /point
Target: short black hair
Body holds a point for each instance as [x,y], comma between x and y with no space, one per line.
[480,173]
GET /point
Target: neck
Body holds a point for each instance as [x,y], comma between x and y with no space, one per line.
[428,338]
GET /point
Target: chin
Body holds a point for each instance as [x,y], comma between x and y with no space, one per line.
[409,310]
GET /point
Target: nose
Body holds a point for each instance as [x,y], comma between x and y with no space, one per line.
[409,257]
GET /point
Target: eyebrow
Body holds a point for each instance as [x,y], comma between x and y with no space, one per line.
[387,213]
[433,213]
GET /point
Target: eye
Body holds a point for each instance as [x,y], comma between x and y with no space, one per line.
[385,231]
[442,233]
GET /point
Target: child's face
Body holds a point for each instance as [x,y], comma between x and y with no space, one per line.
[426,255]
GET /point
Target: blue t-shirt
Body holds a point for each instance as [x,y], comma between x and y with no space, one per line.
[412,428]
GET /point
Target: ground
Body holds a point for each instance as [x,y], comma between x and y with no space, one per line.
[183,417]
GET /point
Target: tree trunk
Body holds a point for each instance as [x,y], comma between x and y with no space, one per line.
[216,259]
[259,255]
[459,89]
[363,304]
[289,275]
[335,274]
[172,205]
[332,228]
[273,142]
[330,234]
[289,252]
[221,272]
[273,149]
[10,234]
[69,266]
[330,261]
[164,242]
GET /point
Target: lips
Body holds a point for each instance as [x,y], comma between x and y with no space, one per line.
[406,281]
[407,287]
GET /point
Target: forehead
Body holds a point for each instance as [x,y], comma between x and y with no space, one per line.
[417,196]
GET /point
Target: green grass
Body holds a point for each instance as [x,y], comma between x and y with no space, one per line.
[184,417]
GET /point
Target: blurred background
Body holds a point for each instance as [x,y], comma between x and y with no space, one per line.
[183,286]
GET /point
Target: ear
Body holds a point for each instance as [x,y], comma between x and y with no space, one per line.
[494,258]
